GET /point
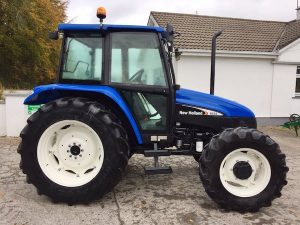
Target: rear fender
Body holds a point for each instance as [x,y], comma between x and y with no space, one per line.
[46,93]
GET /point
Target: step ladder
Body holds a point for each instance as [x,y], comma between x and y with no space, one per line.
[157,169]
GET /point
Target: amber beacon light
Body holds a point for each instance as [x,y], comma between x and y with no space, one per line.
[101,14]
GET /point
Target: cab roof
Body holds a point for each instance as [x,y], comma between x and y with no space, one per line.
[108,27]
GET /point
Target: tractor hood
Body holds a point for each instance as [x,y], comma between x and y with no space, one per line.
[226,107]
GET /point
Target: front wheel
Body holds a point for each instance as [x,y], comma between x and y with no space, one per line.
[242,169]
[73,150]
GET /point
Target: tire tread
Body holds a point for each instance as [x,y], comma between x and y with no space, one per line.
[214,148]
[98,111]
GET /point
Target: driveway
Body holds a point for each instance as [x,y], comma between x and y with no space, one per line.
[178,198]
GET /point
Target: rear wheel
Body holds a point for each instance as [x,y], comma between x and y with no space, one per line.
[242,169]
[73,150]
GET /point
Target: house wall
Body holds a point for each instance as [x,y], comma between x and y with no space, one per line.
[290,53]
[247,81]
[266,87]
[283,91]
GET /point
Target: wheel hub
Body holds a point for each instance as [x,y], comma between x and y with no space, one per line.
[75,150]
[242,170]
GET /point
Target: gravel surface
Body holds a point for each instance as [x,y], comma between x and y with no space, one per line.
[177,198]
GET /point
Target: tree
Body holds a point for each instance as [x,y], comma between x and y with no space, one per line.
[27,56]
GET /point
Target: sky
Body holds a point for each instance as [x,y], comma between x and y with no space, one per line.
[136,12]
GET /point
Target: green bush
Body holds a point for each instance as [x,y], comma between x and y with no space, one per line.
[27,57]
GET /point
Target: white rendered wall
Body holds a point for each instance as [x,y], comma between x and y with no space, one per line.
[283,91]
[193,72]
[290,53]
[295,107]
[2,119]
[16,112]
[284,100]
[245,80]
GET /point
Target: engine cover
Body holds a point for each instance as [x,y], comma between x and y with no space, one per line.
[203,110]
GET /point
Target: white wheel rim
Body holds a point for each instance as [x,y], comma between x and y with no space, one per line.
[256,183]
[65,164]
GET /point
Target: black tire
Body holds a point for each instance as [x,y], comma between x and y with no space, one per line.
[197,157]
[103,122]
[224,143]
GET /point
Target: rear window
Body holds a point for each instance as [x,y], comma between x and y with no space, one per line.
[82,58]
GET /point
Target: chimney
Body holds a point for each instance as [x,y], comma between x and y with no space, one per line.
[298,11]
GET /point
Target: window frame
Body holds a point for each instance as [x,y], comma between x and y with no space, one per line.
[148,131]
[297,94]
[141,87]
[61,64]
[167,90]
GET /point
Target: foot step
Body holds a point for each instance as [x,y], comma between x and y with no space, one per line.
[152,153]
[157,169]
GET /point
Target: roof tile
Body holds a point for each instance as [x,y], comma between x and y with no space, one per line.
[239,34]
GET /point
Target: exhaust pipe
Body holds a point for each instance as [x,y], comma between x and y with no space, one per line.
[213,61]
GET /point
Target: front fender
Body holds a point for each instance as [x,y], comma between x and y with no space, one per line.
[46,93]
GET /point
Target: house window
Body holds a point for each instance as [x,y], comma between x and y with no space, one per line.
[297,88]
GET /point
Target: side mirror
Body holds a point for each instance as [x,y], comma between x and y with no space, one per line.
[53,35]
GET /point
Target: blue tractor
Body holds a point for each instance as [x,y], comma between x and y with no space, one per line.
[116,96]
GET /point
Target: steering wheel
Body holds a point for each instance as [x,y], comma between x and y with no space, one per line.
[137,77]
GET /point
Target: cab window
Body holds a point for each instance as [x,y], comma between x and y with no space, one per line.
[136,59]
[82,58]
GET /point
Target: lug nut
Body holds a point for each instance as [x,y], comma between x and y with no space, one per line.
[81,150]
[69,146]
[80,155]
[79,145]
[75,157]
[70,156]
[68,151]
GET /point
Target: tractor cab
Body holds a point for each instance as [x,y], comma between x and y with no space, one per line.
[133,59]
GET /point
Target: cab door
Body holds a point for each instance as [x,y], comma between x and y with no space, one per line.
[138,70]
